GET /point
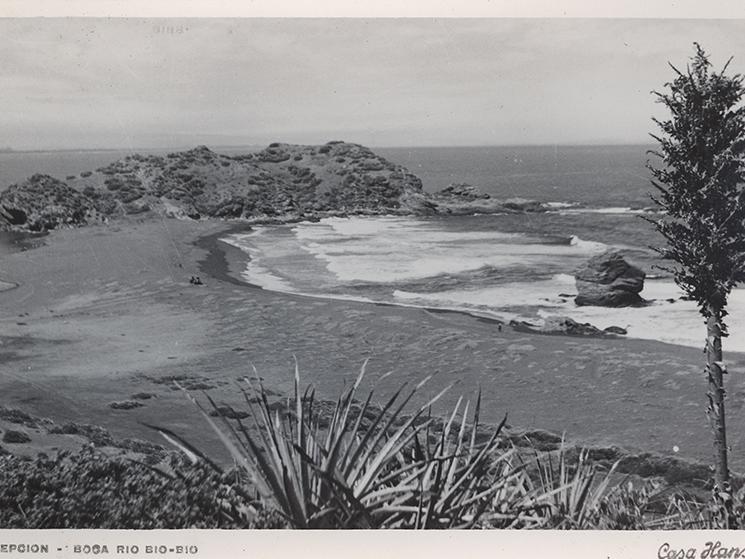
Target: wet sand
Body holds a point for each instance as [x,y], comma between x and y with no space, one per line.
[105,312]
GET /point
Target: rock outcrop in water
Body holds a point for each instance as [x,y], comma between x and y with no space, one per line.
[607,280]
[283,182]
[465,199]
[462,192]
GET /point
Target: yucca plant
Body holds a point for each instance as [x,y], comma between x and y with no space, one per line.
[455,478]
[363,466]
[566,495]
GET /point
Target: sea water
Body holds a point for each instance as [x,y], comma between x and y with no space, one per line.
[506,266]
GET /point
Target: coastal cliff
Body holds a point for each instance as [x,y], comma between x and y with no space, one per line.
[281,182]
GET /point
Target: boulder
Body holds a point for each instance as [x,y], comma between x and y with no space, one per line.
[11,436]
[607,280]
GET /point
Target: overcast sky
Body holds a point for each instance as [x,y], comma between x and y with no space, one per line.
[90,83]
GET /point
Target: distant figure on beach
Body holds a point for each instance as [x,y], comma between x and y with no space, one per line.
[195,280]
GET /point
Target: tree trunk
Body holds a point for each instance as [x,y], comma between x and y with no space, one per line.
[715,411]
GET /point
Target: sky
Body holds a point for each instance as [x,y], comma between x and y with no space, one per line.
[129,83]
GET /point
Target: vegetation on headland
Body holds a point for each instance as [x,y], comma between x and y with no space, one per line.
[282,182]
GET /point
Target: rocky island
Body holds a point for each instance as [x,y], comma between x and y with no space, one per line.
[283,182]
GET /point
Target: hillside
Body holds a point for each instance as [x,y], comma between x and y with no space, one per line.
[282,181]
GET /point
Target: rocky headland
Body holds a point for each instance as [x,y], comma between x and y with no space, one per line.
[280,183]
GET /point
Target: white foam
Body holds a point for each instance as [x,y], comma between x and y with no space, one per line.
[560,205]
[381,266]
[389,250]
[255,273]
[677,322]
[590,246]
[608,210]
[258,275]
[387,230]
[564,279]
[353,226]
[513,294]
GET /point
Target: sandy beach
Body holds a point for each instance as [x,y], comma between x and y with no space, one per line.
[106,312]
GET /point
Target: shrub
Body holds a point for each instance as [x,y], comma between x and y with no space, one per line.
[11,436]
[90,490]
[19,417]
[126,195]
[113,183]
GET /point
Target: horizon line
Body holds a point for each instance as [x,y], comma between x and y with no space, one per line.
[11,150]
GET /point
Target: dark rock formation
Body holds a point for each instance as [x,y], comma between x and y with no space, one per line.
[15,437]
[558,325]
[523,205]
[465,199]
[607,280]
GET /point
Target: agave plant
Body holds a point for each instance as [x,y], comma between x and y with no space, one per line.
[363,466]
[567,494]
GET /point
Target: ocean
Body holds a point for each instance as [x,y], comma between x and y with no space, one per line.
[510,266]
